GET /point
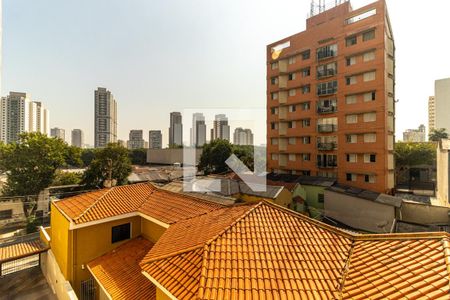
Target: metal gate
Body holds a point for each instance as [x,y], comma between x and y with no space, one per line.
[88,289]
[19,264]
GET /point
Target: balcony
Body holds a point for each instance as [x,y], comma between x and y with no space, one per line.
[326,146]
[326,128]
[326,109]
[327,165]
[326,73]
[326,53]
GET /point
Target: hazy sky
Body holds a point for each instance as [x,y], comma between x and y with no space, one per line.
[161,56]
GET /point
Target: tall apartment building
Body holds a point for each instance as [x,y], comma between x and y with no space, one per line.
[19,114]
[136,139]
[415,135]
[58,133]
[243,136]
[221,129]
[431,114]
[105,118]
[442,104]
[175,129]
[154,139]
[330,99]
[78,138]
[198,130]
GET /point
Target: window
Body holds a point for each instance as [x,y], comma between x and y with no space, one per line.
[292,157]
[273,125]
[306,140]
[306,122]
[370,117]
[327,88]
[369,56]
[351,177]
[351,119]
[291,60]
[369,76]
[350,80]
[306,156]
[274,141]
[306,54]
[292,108]
[292,141]
[120,233]
[306,172]
[274,96]
[327,51]
[369,35]
[369,178]
[306,89]
[291,76]
[320,198]
[350,41]
[5,214]
[352,138]
[274,80]
[370,137]
[326,70]
[370,158]
[292,92]
[291,124]
[352,158]
[306,105]
[274,156]
[351,99]
[370,96]
[274,65]
[350,60]
[306,72]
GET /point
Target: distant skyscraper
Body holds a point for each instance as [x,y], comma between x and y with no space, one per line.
[442,104]
[221,129]
[431,114]
[19,114]
[198,130]
[175,129]
[77,138]
[58,133]
[154,139]
[136,139]
[415,135]
[105,118]
[242,136]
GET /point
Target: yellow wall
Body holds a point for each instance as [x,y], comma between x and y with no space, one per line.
[94,241]
[160,295]
[151,231]
[61,240]
[284,198]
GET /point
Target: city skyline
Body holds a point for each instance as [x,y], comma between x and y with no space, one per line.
[78,68]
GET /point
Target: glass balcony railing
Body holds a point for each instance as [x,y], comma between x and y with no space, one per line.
[326,146]
[326,109]
[327,164]
[326,128]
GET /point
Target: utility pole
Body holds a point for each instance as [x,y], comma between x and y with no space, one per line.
[109,181]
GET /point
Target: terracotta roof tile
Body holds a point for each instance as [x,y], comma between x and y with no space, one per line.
[267,252]
[15,251]
[164,206]
[119,273]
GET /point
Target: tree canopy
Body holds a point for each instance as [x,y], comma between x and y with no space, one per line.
[214,156]
[113,158]
[437,134]
[412,154]
[138,156]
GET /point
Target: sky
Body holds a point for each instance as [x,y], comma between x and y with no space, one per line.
[170,55]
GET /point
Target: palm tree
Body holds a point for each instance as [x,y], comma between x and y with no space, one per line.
[437,134]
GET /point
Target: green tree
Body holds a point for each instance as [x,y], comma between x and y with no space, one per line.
[214,156]
[67,178]
[73,157]
[245,154]
[412,154]
[87,156]
[437,134]
[138,156]
[30,165]
[112,160]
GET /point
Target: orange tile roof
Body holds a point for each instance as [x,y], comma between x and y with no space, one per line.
[167,207]
[19,250]
[269,252]
[119,273]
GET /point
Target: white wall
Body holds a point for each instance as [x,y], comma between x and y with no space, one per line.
[55,278]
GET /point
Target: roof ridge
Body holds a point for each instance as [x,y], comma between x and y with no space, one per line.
[188,196]
[345,269]
[161,257]
[93,204]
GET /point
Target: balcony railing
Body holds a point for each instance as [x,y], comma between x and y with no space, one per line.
[326,146]
[326,73]
[326,128]
[325,164]
[326,109]
[324,54]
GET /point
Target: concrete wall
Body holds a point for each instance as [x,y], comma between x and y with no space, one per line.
[442,172]
[420,213]
[314,207]
[60,286]
[359,213]
[442,99]
[171,156]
